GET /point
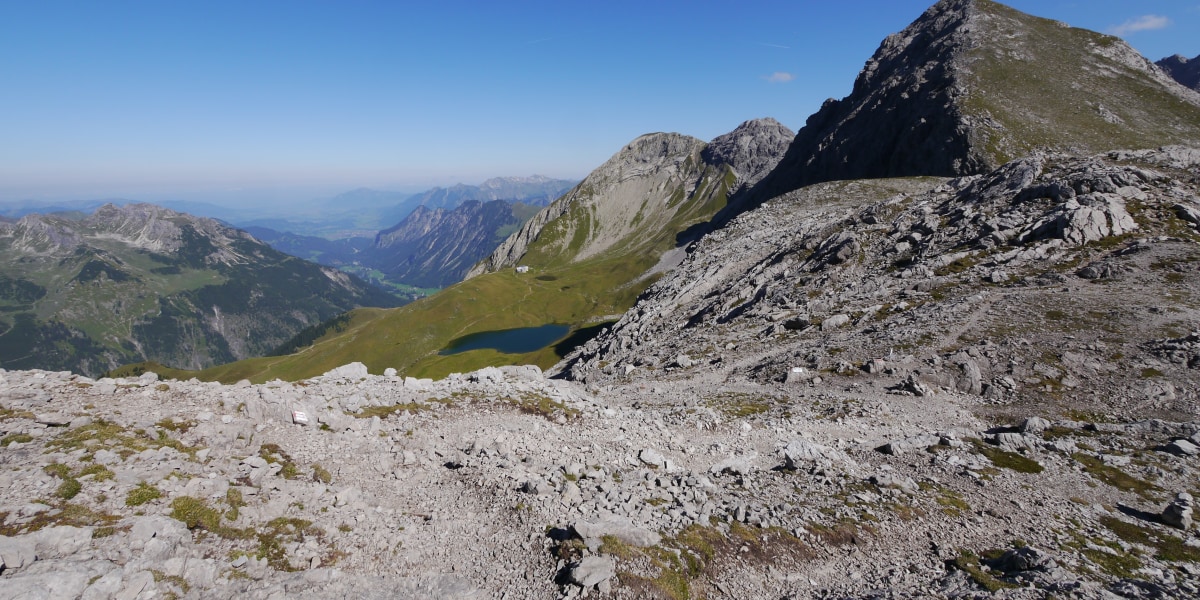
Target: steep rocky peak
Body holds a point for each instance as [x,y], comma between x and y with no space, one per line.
[972,84]
[751,150]
[929,42]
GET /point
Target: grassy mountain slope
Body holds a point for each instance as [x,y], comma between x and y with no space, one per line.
[1032,83]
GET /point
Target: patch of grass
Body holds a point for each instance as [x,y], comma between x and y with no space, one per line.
[1167,547]
[321,474]
[69,488]
[969,563]
[1117,478]
[68,514]
[108,435]
[952,504]
[143,493]
[276,534]
[98,473]
[195,514]
[1007,460]
[273,454]
[960,265]
[1151,372]
[9,413]
[233,497]
[15,438]
[537,404]
[740,406]
[175,580]
[177,425]
[384,412]
[58,470]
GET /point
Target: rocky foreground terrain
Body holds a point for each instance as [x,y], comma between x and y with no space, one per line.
[909,388]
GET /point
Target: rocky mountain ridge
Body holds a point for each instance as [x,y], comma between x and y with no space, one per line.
[953,385]
[972,84]
[1185,71]
[641,188]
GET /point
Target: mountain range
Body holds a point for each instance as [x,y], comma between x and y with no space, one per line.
[966,88]
[140,282]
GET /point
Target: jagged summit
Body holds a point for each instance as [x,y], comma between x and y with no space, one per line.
[629,201]
[972,84]
[1185,71]
[752,149]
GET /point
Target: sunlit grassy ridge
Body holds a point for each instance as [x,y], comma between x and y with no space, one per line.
[1033,82]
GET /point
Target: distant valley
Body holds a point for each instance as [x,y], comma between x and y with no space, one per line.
[431,239]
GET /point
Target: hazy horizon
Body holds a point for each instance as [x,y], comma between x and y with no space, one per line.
[271,103]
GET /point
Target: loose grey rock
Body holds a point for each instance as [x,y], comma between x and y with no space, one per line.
[17,552]
[592,570]
[1179,512]
[623,530]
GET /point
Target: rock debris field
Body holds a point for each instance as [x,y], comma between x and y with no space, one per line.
[503,484]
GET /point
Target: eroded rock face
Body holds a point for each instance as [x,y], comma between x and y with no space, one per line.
[779,270]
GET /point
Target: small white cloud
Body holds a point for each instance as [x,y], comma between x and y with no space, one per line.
[1142,23]
[779,77]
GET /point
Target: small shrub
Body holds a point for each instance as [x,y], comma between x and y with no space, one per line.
[69,488]
[321,474]
[194,513]
[16,438]
[142,494]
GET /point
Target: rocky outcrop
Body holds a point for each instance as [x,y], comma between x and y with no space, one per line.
[1182,69]
[973,84]
[878,269]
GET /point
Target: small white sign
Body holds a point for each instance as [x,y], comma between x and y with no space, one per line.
[299,418]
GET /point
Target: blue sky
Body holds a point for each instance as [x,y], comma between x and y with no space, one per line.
[225,100]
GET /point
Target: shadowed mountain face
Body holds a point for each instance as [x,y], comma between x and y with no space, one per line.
[434,248]
[141,282]
[972,84]
[1185,71]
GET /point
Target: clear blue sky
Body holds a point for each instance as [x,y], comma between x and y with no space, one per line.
[153,100]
